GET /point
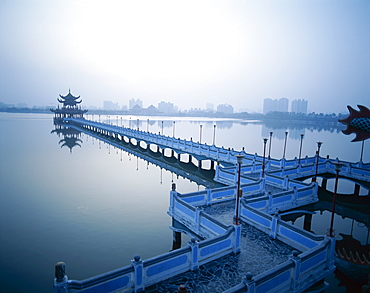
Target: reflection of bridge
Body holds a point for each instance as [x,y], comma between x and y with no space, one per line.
[263,198]
[172,164]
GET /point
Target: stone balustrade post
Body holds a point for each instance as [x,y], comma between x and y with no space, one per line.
[349,169]
[61,279]
[295,195]
[299,167]
[296,271]
[282,163]
[217,172]
[263,184]
[274,225]
[209,194]
[197,218]
[194,254]
[137,263]
[269,205]
[250,283]
[237,238]
[286,182]
[172,198]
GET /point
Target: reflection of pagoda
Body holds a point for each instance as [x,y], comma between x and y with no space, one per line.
[70,135]
[70,107]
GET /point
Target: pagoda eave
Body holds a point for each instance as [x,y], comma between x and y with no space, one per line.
[68,111]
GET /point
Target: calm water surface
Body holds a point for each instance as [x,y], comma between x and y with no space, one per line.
[95,207]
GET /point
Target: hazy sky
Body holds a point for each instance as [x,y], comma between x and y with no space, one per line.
[186,52]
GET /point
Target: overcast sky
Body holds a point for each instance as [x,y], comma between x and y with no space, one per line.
[186,52]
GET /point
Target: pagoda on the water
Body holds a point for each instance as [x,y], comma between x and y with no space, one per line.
[70,108]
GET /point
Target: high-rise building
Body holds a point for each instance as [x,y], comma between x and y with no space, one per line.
[109,105]
[225,108]
[299,106]
[166,107]
[210,107]
[132,103]
[280,105]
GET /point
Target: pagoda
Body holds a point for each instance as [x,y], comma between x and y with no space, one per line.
[70,108]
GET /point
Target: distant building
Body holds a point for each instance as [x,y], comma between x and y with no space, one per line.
[109,105]
[299,106]
[280,105]
[151,110]
[132,103]
[225,108]
[21,105]
[166,107]
[210,107]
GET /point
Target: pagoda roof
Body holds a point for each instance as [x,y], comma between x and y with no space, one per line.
[69,99]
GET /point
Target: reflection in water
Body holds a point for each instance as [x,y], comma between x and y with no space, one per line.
[352,229]
[71,136]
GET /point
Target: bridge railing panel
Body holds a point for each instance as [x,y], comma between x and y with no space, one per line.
[277,228]
[119,279]
[221,194]
[194,218]
[167,265]
[217,247]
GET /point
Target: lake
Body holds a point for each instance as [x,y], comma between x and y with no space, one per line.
[95,207]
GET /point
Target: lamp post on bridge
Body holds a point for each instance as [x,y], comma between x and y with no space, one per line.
[147,126]
[138,124]
[270,144]
[300,150]
[214,134]
[200,133]
[239,159]
[173,134]
[319,143]
[286,138]
[362,150]
[162,127]
[338,168]
[264,154]
[121,122]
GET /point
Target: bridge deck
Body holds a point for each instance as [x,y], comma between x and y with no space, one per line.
[259,253]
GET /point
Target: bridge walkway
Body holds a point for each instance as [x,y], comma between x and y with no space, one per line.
[259,253]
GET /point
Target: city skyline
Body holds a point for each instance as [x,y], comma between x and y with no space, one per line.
[188,54]
[165,107]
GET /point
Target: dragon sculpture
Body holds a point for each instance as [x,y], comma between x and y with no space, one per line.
[357,122]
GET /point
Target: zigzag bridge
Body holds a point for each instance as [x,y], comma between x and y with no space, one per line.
[269,190]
